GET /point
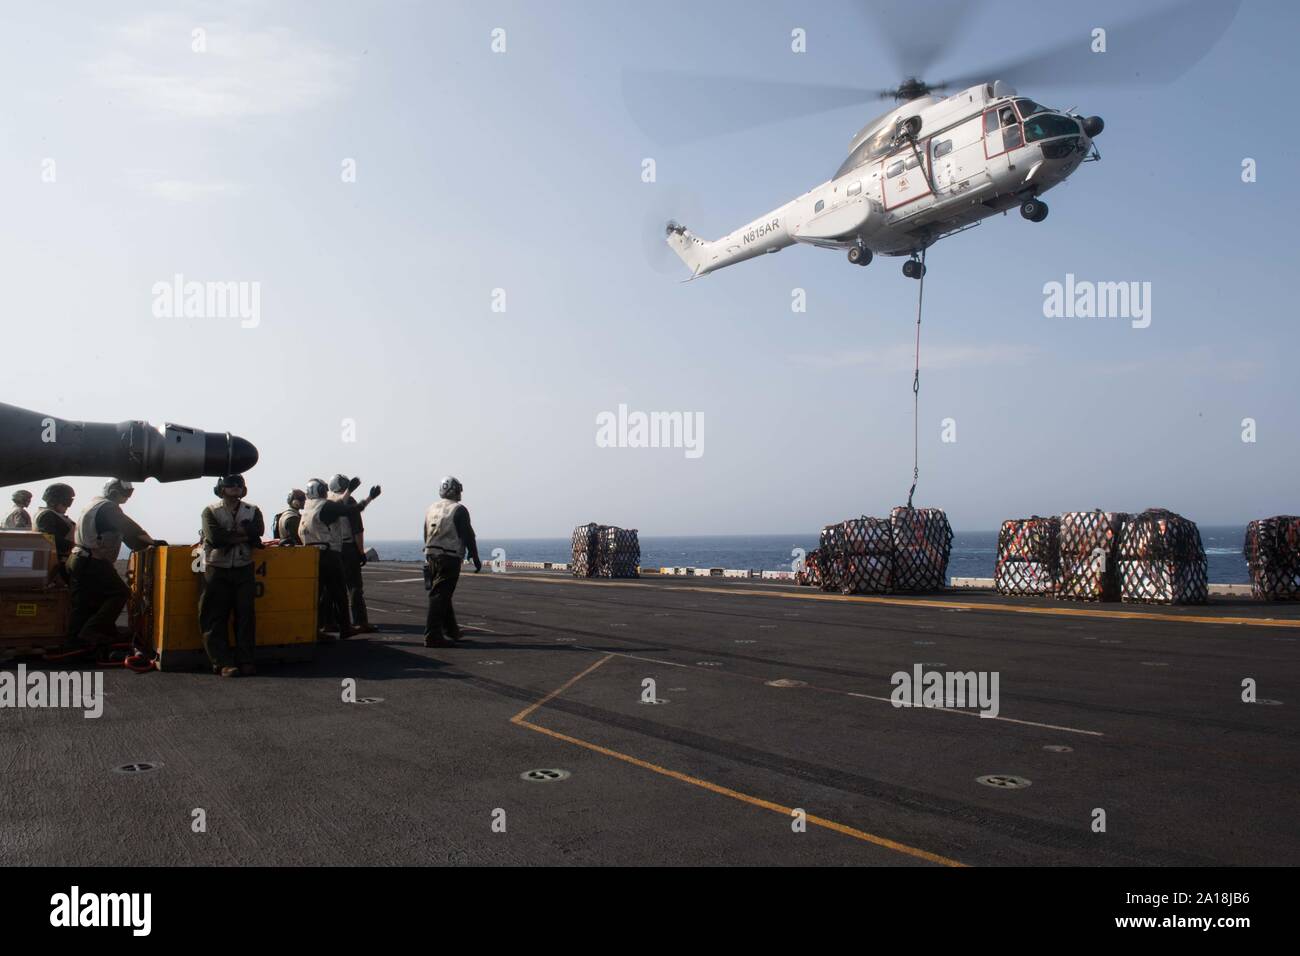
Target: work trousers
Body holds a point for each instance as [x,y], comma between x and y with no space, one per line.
[98,596]
[228,591]
[333,607]
[443,573]
[351,555]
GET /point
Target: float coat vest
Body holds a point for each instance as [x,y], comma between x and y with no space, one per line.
[235,555]
[103,546]
[440,535]
[313,529]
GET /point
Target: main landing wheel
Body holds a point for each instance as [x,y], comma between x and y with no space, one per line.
[1035,210]
[913,269]
[859,255]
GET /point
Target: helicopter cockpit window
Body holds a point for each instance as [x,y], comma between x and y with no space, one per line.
[894,169]
[990,122]
[1048,125]
[1029,108]
[1011,136]
[1007,116]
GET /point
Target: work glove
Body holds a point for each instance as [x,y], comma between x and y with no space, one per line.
[353,485]
[363,558]
[375,491]
[478,565]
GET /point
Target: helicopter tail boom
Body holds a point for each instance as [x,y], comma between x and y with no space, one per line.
[690,248]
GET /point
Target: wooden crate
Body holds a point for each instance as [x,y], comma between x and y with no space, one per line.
[33,621]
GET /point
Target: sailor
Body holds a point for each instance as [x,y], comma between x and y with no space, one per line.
[352,532]
[98,592]
[286,522]
[232,529]
[18,519]
[448,536]
[320,527]
[53,520]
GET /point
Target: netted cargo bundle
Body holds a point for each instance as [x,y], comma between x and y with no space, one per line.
[810,575]
[866,536]
[1089,542]
[922,541]
[1160,535]
[584,541]
[618,552]
[865,573]
[1029,557]
[1272,551]
[1163,582]
[832,539]
[1162,560]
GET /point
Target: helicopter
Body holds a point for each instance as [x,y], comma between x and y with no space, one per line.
[934,165]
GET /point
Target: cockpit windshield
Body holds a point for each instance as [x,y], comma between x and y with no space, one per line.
[1028,108]
[1047,125]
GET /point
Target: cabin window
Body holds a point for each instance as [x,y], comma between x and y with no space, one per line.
[913,163]
[855,188]
[942,149]
[894,169]
[821,204]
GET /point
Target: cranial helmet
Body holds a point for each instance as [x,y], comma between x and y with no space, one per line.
[22,497]
[230,481]
[296,495]
[450,488]
[118,486]
[339,483]
[317,488]
[58,493]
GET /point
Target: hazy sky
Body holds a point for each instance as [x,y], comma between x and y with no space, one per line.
[521,171]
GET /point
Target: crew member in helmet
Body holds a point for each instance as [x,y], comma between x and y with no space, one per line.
[286,522]
[18,519]
[448,537]
[320,527]
[232,530]
[53,520]
[98,591]
[352,531]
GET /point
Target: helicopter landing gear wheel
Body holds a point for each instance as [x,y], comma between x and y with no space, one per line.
[859,255]
[1035,210]
[913,269]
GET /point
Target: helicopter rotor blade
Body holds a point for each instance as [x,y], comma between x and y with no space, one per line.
[913,50]
[1149,50]
[675,107]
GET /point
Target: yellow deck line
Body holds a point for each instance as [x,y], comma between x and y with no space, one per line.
[520,720]
[929,602]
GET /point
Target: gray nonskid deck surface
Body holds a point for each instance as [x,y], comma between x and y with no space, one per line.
[286,772]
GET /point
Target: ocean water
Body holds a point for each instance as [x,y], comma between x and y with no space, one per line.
[974,553]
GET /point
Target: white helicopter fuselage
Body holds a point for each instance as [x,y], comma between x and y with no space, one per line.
[925,170]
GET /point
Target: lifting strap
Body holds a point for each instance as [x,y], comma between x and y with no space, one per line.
[916,387]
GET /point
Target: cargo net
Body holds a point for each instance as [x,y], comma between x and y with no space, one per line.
[810,575]
[1162,560]
[1272,551]
[1089,543]
[922,541]
[1029,556]
[583,562]
[604,551]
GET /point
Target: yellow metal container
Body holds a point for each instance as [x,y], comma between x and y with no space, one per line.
[166,584]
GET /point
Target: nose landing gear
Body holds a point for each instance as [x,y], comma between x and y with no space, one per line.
[1035,210]
[859,255]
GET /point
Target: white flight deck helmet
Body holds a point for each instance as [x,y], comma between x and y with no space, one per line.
[317,489]
[339,483]
[450,488]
